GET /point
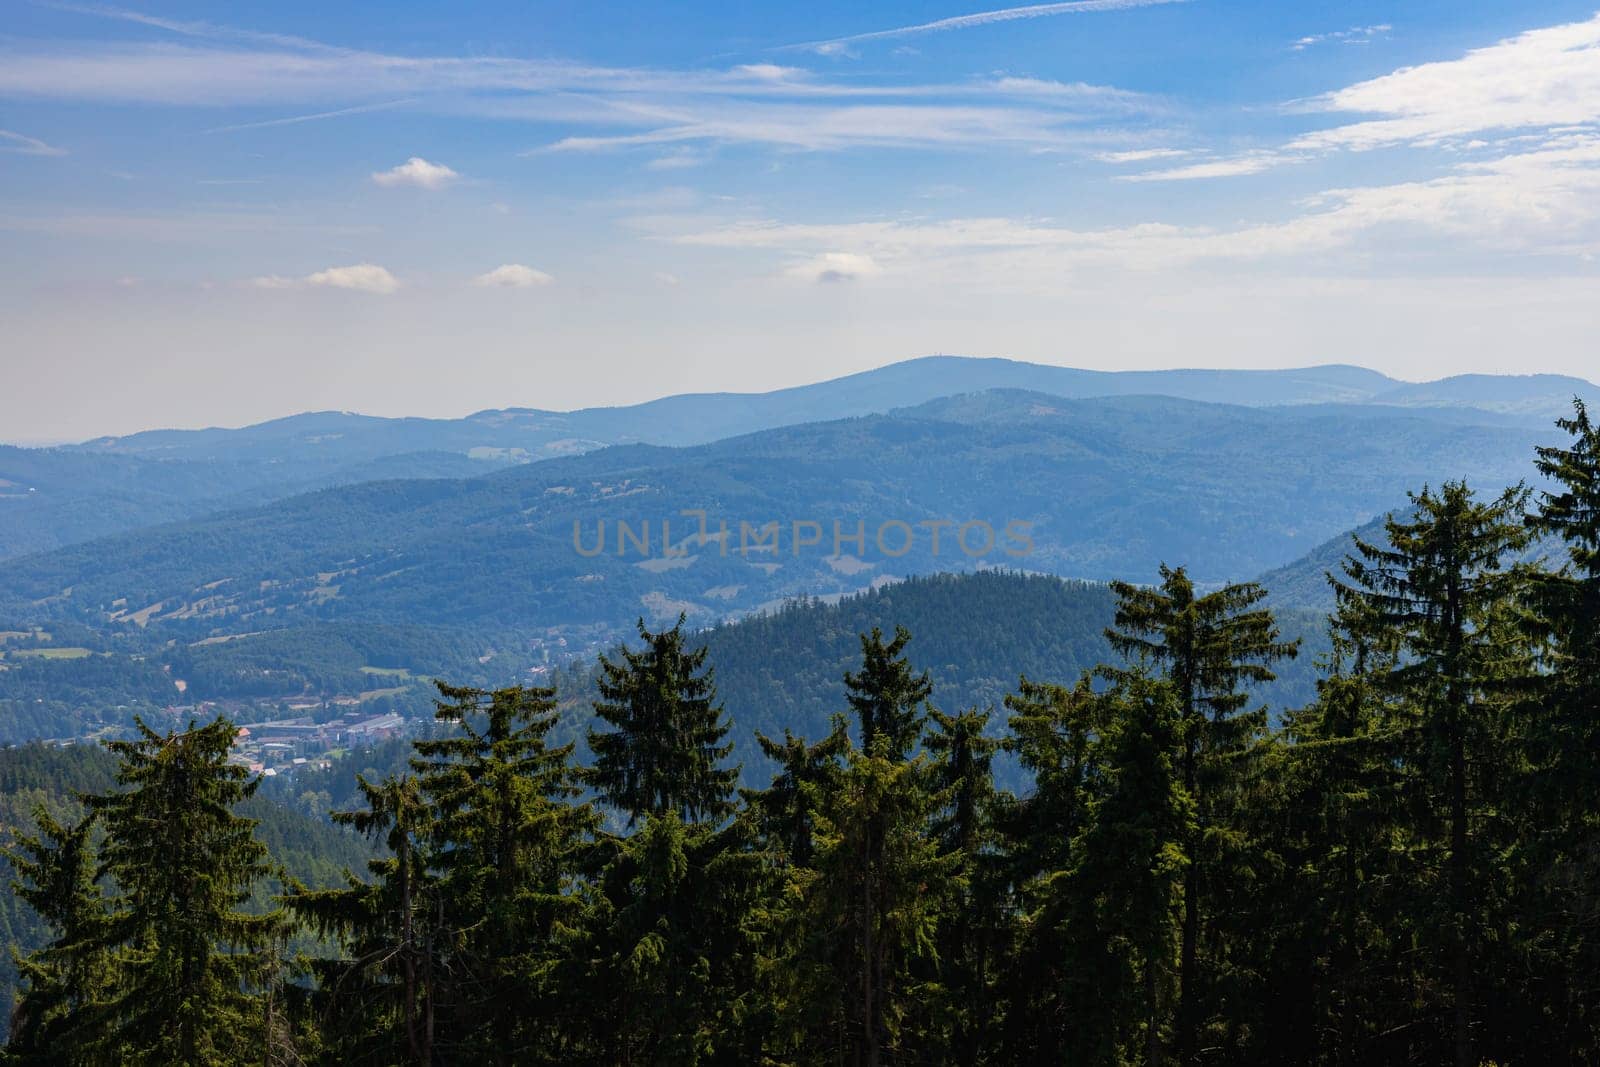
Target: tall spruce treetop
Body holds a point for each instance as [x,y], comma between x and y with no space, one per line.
[1441,589]
[668,743]
[1209,645]
[785,812]
[506,832]
[888,698]
[498,790]
[1210,648]
[1568,603]
[1436,586]
[188,960]
[1573,512]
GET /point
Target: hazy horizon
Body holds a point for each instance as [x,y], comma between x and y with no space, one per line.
[460,414]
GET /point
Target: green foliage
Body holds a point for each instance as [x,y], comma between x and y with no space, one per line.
[1210,647]
[1404,872]
[152,959]
[667,743]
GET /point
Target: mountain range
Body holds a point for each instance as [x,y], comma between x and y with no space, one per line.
[50,498]
[345,555]
[1095,489]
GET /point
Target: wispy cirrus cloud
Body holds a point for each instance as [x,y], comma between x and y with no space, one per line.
[295,120]
[1354,35]
[1543,202]
[1545,78]
[826,128]
[1142,155]
[1534,88]
[187,27]
[1249,163]
[837,45]
[762,103]
[23,145]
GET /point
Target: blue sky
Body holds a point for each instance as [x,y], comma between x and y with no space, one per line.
[219,213]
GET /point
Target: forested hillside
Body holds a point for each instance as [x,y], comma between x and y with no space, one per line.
[1101,489]
[1403,870]
[50,497]
[38,777]
[976,636]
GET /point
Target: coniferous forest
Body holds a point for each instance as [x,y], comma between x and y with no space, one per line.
[1406,870]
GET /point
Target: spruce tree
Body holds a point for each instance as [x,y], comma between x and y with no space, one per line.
[1053,732]
[887,697]
[66,980]
[970,936]
[379,1000]
[1340,979]
[1441,587]
[1210,647]
[784,812]
[188,963]
[1119,902]
[1561,913]
[882,880]
[506,838]
[670,947]
[667,742]
[1566,602]
[881,885]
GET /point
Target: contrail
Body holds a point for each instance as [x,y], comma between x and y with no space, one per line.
[981,18]
[292,119]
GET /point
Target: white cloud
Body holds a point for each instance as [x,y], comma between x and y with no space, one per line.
[1540,79]
[835,267]
[839,45]
[1249,163]
[771,72]
[367,277]
[23,145]
[1354,35]
[678,159]
[1537,87]
[512,276]
[1142,155]
[418,172]
[1544,202]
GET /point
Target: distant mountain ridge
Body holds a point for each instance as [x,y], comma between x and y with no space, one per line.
[1109,487]
[698,418]
[55,497]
